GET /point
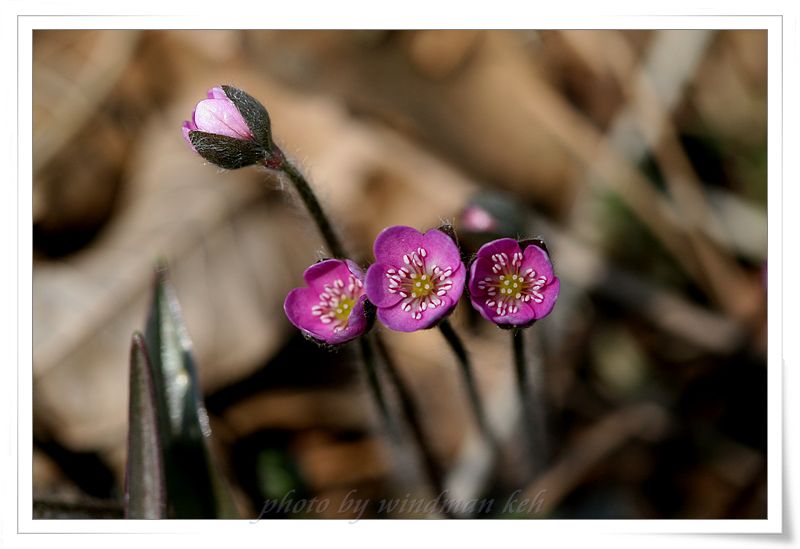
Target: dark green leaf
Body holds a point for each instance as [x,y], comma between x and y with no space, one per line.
[195,488]
[145,492]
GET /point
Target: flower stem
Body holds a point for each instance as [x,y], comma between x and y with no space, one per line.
[368,358]
[469,379]
[314,208]
[520,364]
[432,467]
[337,250]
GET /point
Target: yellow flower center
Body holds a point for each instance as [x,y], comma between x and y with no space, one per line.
[343,309]
[421,285]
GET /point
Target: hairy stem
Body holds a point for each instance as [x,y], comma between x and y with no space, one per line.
[337,250]
[469,379]
[314,208]
[528,410]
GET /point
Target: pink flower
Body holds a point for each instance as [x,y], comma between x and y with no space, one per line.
[511,286]
[331,308]
[417,278]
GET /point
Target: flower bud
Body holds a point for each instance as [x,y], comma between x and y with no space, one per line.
[230,129]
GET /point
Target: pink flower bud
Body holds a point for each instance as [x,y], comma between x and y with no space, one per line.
[232,130]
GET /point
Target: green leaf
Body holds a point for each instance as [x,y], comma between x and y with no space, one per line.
[195,488]
[145,493]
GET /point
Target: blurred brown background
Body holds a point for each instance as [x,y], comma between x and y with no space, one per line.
[639,156]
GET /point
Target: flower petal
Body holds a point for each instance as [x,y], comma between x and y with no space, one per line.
[537,259]
[523,316]
[401,321]
[395,242]
[441,250]
[507,245]
[356,325]
[458,278]
[217,93]
[480,269]
[550,293]
[187,127]
[327,272]
[297,306]
[220,116]
[356,269]
[378,287]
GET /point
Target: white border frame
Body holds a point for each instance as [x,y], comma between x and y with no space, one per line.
[25,24]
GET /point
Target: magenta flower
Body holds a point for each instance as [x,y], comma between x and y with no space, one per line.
[417,278]
[331,308]
[511,286]
[231,129]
